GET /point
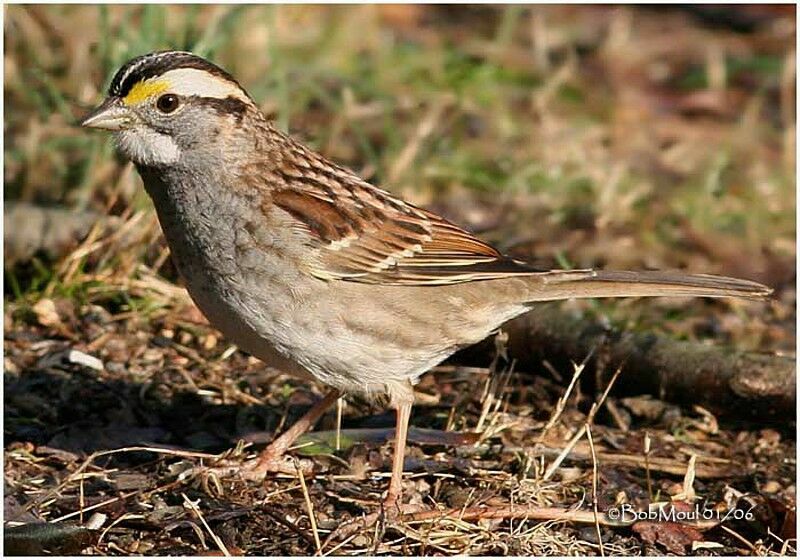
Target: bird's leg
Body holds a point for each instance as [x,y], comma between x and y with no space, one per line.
[271,458]
[391,509]
[400,435]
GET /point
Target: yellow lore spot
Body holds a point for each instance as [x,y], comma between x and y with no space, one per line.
[144,91]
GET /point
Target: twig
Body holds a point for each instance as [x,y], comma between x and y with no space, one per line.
[739,537]
[688,480]
[596,406]
[616,415]
[81,501]
[647,465]
[492,402]
[187,503]
[285,522]
[657,464]
[117,521]
[490,386]
[339,410]
[90,459]
[123,496]
[562,401]
[536,513]
[594,489]
[95,506]
[589,420]
[340,545]
[517,511]
[309,508]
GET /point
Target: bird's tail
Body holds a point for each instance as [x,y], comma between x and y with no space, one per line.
[611,283]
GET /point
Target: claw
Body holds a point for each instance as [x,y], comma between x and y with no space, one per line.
[256,470]
[390,514]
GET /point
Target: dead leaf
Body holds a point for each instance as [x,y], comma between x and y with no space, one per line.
[323,443]
[676,538]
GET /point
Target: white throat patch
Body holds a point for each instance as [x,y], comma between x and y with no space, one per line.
[147,147]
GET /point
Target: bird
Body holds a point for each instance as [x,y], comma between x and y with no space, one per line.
[310,268]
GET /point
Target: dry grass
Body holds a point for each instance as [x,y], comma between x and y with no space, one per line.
[590,136]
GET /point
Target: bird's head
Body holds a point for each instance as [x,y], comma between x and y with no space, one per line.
[164,104]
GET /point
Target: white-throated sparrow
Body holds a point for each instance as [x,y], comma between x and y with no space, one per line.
[310,268]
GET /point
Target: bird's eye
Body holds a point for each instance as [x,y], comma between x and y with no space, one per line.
[167,103]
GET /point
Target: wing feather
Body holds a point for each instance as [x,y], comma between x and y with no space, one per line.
[361,233]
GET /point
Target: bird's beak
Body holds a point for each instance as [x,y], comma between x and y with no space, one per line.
[110,115]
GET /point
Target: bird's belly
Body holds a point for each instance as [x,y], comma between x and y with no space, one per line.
[241,319]
[307,330]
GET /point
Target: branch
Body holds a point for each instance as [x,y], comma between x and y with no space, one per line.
[722,379]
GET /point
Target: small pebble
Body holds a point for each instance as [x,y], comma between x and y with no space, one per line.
[96,521]
[770,437]
[144,547]
[588,534]
[9,366]
[674,489]
[46,314]
[152,356]
[83,359]
[210,342]
[360,541]
[569,474]
[116,368]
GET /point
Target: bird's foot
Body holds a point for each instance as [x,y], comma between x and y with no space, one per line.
[253,470]
[256,470]
[389,514]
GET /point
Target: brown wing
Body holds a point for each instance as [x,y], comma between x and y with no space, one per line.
[363,234]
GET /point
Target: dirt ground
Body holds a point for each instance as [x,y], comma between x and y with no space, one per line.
[631,138]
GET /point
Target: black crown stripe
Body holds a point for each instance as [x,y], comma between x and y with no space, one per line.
[156,63]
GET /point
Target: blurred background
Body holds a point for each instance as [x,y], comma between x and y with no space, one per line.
[586,136]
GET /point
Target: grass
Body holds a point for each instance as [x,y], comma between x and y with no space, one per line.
[304,75]
[569,136]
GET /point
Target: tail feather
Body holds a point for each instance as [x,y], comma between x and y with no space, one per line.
[611,283]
